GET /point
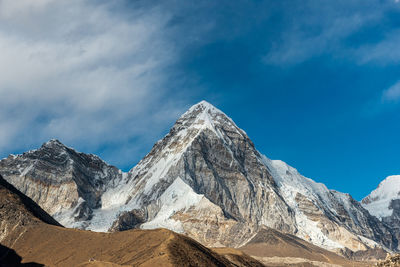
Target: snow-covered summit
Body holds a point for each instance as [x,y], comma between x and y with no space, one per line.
[378,202]
[205,107]
[204,115]
[52,142]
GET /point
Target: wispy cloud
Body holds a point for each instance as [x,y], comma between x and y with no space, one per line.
[299,44]
[84,72]
[392,94]
[320,28]
[383,53]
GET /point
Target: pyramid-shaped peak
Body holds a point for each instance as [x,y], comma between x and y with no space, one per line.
[204,107]
[204,111]
[204,115]
[205,104]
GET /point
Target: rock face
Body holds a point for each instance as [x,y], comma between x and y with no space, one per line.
[65,183]
[17,211]
[384,203]
[204,178]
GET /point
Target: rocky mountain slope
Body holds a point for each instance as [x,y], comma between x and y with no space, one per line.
[17,211]
[333,218]
[28,234]
[206,179]
[384,203]
[65,183]
[268,245]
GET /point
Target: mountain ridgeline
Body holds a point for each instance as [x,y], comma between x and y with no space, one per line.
[205,179]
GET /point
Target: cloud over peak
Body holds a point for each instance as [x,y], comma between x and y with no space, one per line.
[83,72]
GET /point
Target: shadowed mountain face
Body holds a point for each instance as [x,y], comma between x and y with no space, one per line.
[16,207]
[30,237]
[17,212]
[206,179]
[8,258]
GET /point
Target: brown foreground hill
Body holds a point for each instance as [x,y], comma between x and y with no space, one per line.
[55,246]
[274,248]
[29,236]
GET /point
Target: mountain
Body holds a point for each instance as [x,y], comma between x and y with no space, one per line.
[333,218]
[384,203]
[28,234]
[206,179]
[65,183]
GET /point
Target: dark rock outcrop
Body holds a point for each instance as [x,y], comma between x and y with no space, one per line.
[129,220]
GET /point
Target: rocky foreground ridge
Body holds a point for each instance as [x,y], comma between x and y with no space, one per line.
[390,261]
[206,179]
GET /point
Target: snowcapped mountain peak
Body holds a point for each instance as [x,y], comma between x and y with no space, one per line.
[53,143]
[205,107]
[378,202]
[390,187]
[204,115]
[167,152]
[54,148]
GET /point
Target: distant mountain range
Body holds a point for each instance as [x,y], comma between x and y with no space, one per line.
[205,179]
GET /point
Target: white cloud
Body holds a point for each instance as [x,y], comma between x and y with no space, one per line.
[392,94]
[383,52]
[84,72]
[299,44]
[318,28]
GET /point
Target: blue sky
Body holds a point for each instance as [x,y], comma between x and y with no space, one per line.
[313,83]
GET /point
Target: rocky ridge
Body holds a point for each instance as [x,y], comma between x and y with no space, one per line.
[66,183]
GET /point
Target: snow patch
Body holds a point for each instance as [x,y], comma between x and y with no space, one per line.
[309,230]
[67,218]
[178,197]
[26,170]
